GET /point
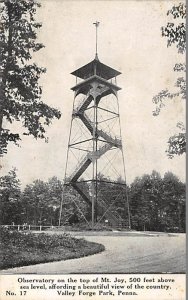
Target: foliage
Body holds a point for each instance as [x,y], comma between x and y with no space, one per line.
[41,201]
[26,248]
[35,202]
[157,203]
[20,89]
[175,34]
[177,144]
[41,241]
[10,205]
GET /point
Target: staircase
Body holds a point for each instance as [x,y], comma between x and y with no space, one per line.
[104,91]
[84,105]
[87,122]
[102,150]
[82,194]
[109,142]
[113,216]
[84,164]
[86,161]
[116,142]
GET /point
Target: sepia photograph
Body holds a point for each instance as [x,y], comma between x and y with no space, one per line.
[92,139]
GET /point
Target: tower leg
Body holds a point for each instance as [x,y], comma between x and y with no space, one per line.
[61,205]
[94,163]
[93,205]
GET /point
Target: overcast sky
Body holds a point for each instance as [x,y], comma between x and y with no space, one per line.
[129,41]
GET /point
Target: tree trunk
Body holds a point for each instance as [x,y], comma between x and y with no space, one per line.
[8,64]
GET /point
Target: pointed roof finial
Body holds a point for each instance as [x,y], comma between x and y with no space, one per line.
[96,25]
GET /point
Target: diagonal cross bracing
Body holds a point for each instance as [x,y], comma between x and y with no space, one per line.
[114,217]
[96,84]
[86,161]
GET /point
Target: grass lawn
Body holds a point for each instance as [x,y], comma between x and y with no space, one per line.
[26,248]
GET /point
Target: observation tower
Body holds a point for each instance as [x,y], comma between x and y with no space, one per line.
[95,165]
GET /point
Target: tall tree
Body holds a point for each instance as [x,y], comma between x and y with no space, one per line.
[145,195]
[175,32]
[41,203]
[10,204]
[174,198]
[157,203]
[20,98]
[35,202]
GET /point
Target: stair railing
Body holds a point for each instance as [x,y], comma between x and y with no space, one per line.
[79,165]
[81,103]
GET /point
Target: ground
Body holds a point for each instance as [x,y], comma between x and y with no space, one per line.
[126,252]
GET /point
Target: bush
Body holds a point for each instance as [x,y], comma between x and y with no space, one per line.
[26,248]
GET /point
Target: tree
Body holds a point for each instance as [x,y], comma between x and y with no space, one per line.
[35,202]
[10,205]
[176,35]
[20,98]
[54,194]
[145,202]
[157,203]
[41,203]
[174,199]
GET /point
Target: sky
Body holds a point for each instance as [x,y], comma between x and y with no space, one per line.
[129,40]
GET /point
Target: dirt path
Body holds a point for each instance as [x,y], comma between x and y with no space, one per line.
[125,253]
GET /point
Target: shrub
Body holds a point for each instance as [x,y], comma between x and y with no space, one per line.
[26,248]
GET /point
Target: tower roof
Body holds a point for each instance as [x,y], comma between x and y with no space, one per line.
[98,68]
